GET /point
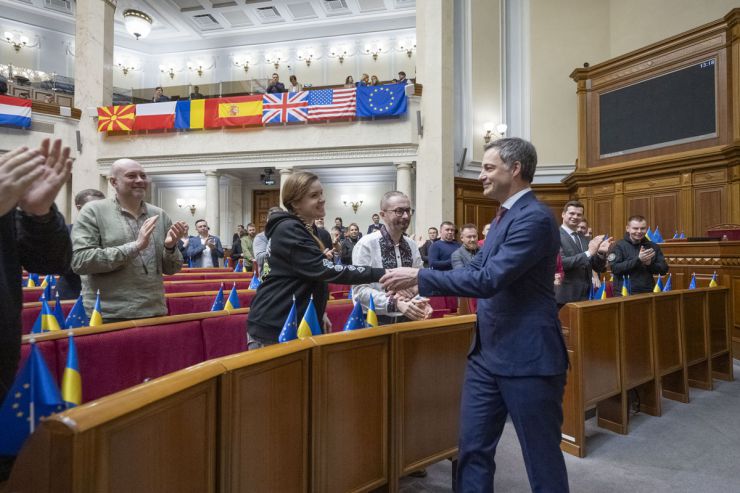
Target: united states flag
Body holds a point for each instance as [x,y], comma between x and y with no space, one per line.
[328,104]
[285,107]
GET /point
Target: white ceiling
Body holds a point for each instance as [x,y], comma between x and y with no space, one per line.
[187,25]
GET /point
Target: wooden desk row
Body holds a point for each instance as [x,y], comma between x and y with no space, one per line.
[657,344]
[351,411]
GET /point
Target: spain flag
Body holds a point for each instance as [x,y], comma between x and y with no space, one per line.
[116,118]
[233,112]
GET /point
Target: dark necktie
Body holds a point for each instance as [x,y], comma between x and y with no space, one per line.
[500,214]
[577,240]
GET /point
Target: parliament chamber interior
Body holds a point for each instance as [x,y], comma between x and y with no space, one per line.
[633,107]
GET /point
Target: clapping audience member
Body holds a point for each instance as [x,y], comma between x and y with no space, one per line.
[375,225]
[298,266]
[205,249]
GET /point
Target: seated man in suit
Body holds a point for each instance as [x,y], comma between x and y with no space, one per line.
[579,256]
[518,361]
[205,249]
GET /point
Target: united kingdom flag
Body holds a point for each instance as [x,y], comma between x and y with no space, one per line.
[285,107]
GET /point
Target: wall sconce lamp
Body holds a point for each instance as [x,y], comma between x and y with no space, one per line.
[126,68]
[191,204]
[353,204]
[273,59]
[198,68]
[243,64]
[306,57]
[492,130]
[374,51]
[18,42]
[167,70]
[409,47]
[339,55]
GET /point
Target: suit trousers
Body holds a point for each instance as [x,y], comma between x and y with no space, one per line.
[535,406]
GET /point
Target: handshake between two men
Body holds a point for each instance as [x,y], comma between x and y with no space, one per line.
[401,284]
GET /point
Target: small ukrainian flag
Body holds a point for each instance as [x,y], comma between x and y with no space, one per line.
[713,281]
[372,317]
[97,314]
[310,323]
[71,379]
[46,320]
[232,303]
[658,286]
[625,285]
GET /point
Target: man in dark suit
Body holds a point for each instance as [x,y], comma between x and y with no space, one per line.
[517,363]
[580,256]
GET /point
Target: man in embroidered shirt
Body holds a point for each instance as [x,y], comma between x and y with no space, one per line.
[389,248]
[124,246]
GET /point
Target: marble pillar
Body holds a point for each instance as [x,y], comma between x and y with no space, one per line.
[435,201]
[284,174]
[404,177]
[93,82]
[213,210]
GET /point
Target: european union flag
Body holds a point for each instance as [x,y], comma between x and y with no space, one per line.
[238,267]
[226,263]
[33,395]
[349,295]
[668,286]
[47,289]
[657,237]
[675,234]
[71,379]
[682,236]
[290,327]
[218,303]
[255,283]
[389,99]
[692,284]
[77,316]
[58,312]
[232,303]
[356,319]
[310,323]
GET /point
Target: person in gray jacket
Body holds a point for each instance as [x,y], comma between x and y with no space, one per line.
[462,257]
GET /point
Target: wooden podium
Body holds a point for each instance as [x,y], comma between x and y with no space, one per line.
[704,258]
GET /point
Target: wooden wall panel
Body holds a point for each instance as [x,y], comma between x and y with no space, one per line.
[637,206]
[709,209]
[665,213]
[601,218]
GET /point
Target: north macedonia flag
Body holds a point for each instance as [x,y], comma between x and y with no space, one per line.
[115,118]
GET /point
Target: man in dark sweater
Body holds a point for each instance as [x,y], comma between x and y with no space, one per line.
[440,251]
[637,257]
[32,235]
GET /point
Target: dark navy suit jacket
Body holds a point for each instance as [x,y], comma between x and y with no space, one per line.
[518,330]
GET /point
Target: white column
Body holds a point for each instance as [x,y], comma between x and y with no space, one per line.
[284,174]
[404,181]
[435,199]
[93,82]
[212,203]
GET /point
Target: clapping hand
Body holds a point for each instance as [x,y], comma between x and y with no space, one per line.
[176,231]
[55,171]
[145,233]
[19,168]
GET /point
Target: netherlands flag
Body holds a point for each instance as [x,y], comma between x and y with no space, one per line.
[15,112]
[155,116]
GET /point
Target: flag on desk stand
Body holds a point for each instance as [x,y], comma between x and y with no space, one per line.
[310,324]
[372,317]
[77,316]
[226,262]
[255,282]
[649,234]
[31,282]
[675,234]
[601,293]
[71,379]
[682,236]
[97,314]
[356,319]
[46,320]
[349,295]
[232,303]
[238,266]
[657,237]
[218,303]
[590,292]
[609,289]
[46,284]
[625,286]
[290,327]
[190,262]
[658,285]
[58,313]
[668,286]
[32,396]
[713,281]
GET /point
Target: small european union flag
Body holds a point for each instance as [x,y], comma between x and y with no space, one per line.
[668,285]
[389,99]
[290,327]
[255,283]
[692,284]
[32,396]
[77,316]
[356,319]
[218,303]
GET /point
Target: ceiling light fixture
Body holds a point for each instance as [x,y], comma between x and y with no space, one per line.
[138,24]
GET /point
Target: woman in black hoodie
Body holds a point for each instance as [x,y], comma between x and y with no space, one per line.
[298,265]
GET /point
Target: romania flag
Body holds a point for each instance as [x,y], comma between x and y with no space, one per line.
[97,315]
[372,317]
[310,324]
[71,380]
[233,112]
[116,118]
[713,281]
[46,320]
[232,303]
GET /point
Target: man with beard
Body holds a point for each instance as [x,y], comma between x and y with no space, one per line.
[389,248]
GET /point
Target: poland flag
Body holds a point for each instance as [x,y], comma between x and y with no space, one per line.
[155,116]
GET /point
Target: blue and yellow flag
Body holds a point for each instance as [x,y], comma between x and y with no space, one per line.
[658,286]
[713,281]
[692,284]
[356,319]
[372,317]
[30,283]
[58,312]
[32,396]
[255,282]
[668,285]
[310,324]
[675,234]
[190,114]
[232,303]
[290,327]
[238,267]
[71,379]
[657,237]
[77,316]
[218,302]
[226,262]
[601,293]
[46,320]
[649,234]
[97,314]
[46,284]
[625,286]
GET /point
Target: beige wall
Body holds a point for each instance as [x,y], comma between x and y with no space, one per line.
[638,23]
[564,35]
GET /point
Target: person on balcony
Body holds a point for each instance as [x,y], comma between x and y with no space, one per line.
[275,86]
[159,96]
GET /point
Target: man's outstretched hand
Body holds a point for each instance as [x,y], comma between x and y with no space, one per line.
[400,278]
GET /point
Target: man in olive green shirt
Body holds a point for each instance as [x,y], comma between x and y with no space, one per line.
[124,246]
[247,242]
